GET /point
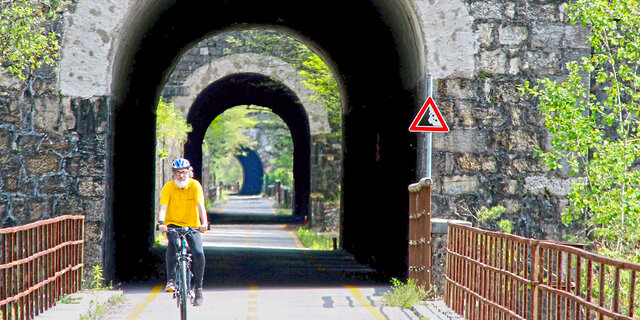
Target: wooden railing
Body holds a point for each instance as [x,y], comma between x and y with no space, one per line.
[39,262]
[492,275]
[420,232]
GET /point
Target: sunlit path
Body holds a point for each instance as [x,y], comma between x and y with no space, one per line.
[248,209]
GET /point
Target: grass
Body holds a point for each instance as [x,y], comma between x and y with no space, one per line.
[98,310]
[404,295]
[313,240]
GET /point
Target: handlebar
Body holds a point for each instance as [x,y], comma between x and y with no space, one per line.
[182,230]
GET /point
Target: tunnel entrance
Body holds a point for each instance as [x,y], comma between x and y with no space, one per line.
[378,61]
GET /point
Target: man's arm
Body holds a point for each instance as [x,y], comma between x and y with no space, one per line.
[204,219]
[161,214]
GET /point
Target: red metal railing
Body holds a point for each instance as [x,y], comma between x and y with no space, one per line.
[420,232]
[492,275]
[488,274]
[39,262]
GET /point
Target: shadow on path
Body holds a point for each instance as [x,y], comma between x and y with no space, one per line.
[282,268]
[230,217]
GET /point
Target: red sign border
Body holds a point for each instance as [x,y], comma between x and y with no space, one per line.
[414,125]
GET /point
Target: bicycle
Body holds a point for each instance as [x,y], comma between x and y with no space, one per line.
[182,272]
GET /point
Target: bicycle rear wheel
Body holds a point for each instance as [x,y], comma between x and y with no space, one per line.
[184,290]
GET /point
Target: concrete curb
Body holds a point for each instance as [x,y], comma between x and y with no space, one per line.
[435,310]
[81,304]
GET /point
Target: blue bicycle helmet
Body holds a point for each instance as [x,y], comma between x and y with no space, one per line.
[180,163]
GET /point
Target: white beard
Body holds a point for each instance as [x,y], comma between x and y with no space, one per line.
[181,183]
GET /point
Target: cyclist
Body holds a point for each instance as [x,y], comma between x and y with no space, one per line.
[182,205]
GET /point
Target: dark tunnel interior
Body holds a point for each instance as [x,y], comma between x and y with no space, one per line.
[253,172]
[372,48]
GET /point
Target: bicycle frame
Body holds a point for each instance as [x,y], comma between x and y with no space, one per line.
[182,272]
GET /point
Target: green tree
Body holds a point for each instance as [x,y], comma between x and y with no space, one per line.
[171,127]
[25,41]
[282,151]
[319,78]
[225,137]
[592,119]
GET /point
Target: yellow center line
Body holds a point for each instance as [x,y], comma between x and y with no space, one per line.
[273,210]
[139,308]
[291,233]
[253,300]
[248,234]
[295,238]
[363,301]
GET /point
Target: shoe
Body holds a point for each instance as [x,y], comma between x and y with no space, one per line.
[197,300]
[170,287]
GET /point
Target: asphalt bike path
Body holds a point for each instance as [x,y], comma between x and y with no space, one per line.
[262,271]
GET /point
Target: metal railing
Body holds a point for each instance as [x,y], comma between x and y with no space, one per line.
[492,275]
[420,232]
[39,262]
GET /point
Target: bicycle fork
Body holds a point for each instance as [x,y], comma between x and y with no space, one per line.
[183,273]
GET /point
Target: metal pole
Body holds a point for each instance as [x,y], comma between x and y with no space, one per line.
[428,137]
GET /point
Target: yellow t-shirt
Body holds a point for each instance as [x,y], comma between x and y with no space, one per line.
[181,203]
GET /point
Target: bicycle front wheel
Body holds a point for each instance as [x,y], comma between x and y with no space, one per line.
[184,290]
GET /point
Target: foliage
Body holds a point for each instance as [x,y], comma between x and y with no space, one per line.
[404,295]
[486,215]
[68,299]
[229,171]
[282,151]
[319,78]
[505,225]
[97,310]
[171,127]
[592,118]
[225,137]
[97,281]
[313,240]
[270,43]
[25,42]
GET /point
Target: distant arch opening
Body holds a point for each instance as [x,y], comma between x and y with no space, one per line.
[255,89]
[253,172]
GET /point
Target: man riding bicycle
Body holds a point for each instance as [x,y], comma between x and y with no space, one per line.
[182,205]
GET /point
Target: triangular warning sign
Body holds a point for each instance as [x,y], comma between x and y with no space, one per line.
[431,121]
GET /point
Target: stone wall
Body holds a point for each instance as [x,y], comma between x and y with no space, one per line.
[488,157]
[53,155]
[326,166]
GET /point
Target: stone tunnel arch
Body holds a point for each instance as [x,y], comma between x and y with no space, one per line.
[378,60]
[272,67]
[255,89]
